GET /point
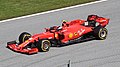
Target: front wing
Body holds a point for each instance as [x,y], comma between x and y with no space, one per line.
[16,48]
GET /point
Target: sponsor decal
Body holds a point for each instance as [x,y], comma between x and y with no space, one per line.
[70,35]
[75,34]
[81,31]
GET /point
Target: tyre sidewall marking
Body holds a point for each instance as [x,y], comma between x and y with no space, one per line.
[25,36]
[105,33]
[42,45]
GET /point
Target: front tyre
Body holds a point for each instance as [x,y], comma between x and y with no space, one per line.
[43,45]
[101,33]
[24,36]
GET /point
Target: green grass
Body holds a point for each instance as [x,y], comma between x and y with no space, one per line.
[15,8]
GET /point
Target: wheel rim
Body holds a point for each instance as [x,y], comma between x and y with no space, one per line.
[46,45]
[103,33]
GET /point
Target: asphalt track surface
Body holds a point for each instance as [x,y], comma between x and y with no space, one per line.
[95,53]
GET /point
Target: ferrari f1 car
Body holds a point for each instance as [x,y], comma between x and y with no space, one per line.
[68,32]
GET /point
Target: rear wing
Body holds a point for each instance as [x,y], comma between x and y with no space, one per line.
[102,21]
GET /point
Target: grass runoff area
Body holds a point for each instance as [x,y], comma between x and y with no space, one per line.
[16,8]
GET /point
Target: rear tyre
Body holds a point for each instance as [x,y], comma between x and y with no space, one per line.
[100,33]
[43,45]
[24,36]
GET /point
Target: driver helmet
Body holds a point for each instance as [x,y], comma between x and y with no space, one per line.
[64,23]
[53,28]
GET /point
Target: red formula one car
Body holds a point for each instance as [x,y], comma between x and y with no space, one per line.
[69,32]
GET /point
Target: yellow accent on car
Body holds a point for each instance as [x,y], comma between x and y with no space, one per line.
[56,35]
[24,37]
[70,35]
[75,34]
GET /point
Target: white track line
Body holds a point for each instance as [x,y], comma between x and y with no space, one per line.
[52,11]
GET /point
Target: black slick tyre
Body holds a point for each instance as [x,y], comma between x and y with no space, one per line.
[24,36]
[100,33]
[43,45]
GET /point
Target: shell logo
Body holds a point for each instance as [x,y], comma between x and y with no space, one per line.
[70,35]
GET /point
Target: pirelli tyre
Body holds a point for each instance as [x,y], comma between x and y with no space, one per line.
[100,33]
[24,36]
[43,45]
